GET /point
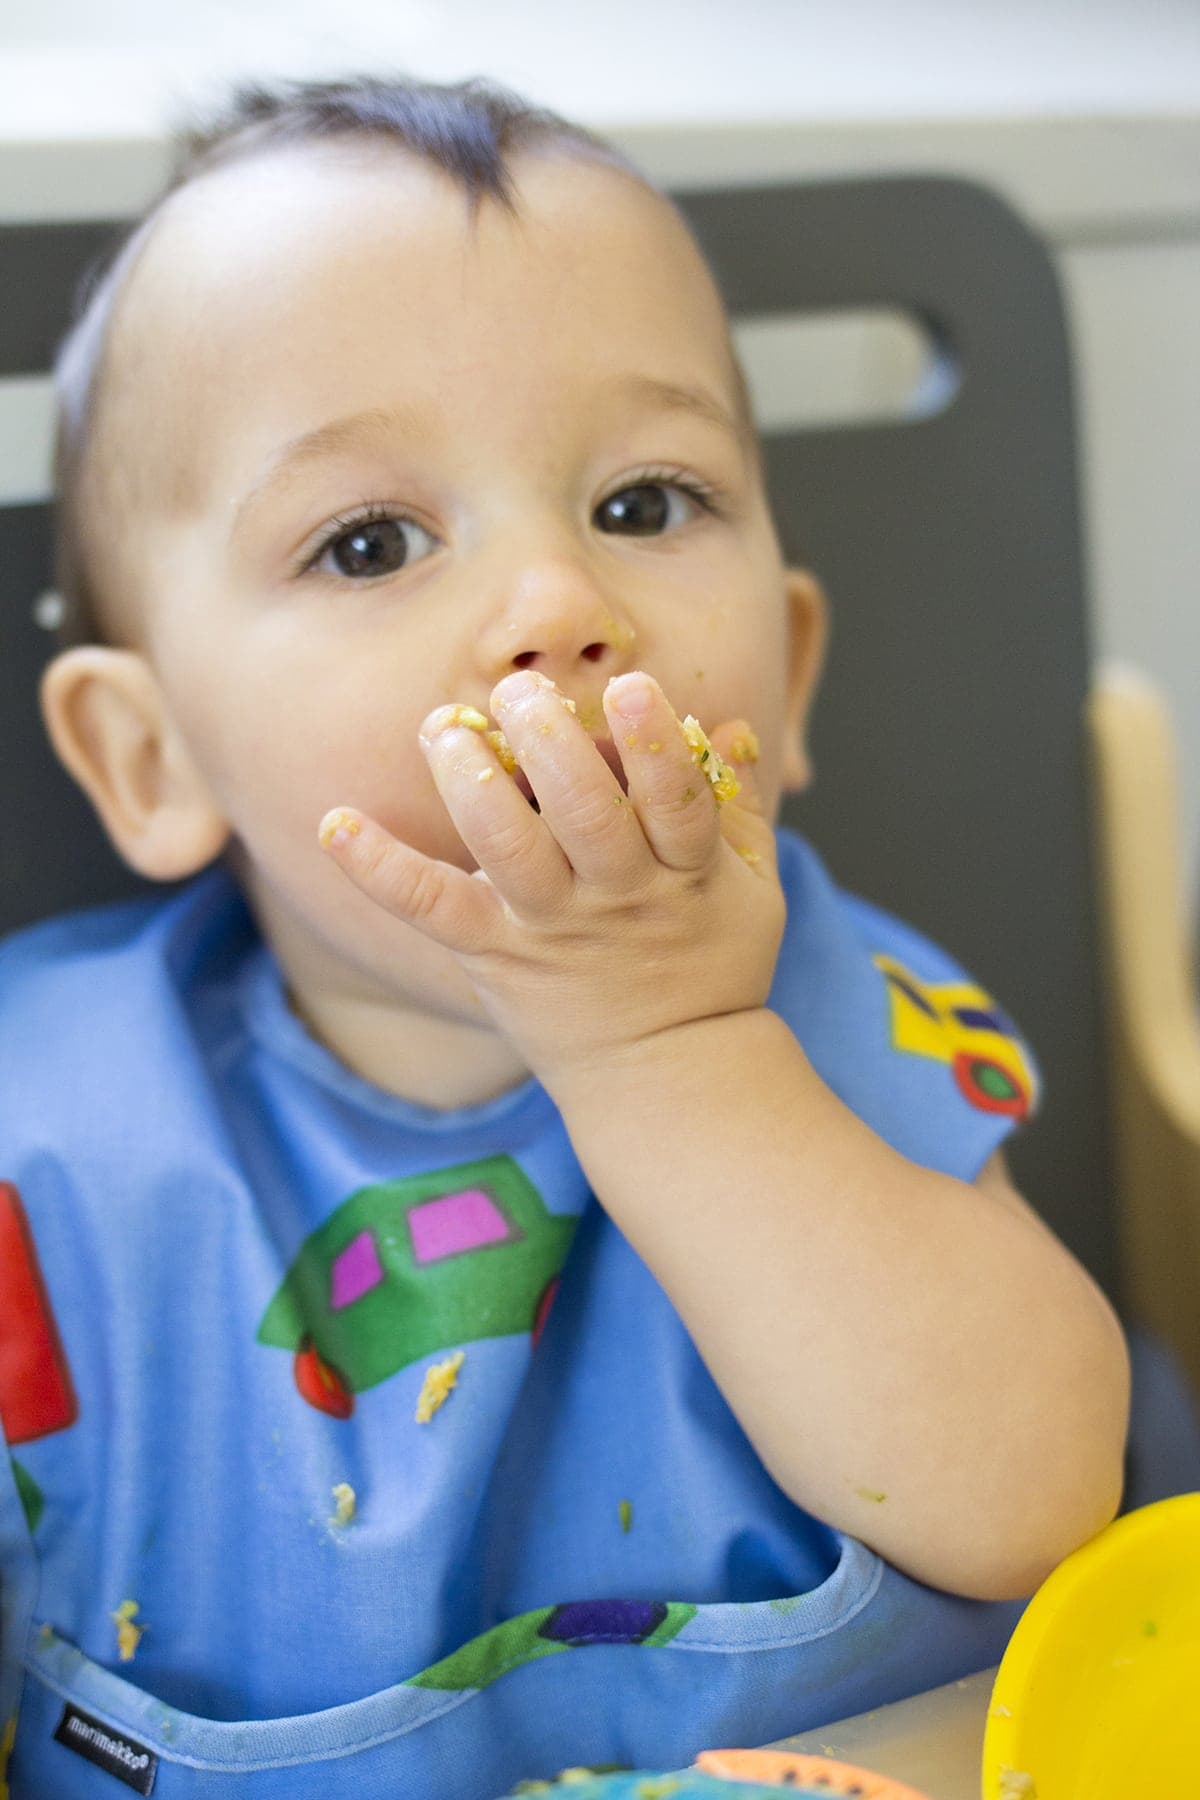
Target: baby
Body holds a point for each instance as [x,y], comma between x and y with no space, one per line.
[509,1219]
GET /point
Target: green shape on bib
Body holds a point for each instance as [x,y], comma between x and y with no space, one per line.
[29,1494]
[483,1659]
[425,1263]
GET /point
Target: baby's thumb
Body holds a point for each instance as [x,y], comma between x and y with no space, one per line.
[735,743]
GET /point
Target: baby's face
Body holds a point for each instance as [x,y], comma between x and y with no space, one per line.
[404,454]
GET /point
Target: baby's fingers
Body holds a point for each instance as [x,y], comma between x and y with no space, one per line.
[743,822]
[668,784]
[443,902]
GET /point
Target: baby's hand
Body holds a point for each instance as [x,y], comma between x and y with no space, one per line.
[604,919]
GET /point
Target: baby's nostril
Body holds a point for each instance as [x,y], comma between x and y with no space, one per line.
[524,659]
[594,652]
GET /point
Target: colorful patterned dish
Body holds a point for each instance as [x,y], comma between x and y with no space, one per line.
[731,1775]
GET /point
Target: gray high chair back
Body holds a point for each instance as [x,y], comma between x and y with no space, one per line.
[947,737]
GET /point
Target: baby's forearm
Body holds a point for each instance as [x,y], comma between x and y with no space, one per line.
[916,1361]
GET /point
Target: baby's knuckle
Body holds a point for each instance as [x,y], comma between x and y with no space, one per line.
[507,846]
[423,892]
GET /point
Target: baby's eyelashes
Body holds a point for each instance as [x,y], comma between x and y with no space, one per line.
[374,543]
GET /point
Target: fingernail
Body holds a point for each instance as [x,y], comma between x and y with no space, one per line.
[519,687]
[446,716]
[337,828]
[632,695]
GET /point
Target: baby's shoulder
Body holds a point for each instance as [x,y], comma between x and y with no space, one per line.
[874,933]
[103,987]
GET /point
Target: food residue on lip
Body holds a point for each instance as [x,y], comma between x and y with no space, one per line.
[129,1635]
[725,783]
[346,1501]
[440,1379]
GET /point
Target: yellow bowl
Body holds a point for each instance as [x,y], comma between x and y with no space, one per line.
[1096,1697]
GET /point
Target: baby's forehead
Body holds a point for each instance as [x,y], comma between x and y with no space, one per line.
[252,251]
[243,212]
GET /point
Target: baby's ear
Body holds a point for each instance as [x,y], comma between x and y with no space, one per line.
[112,730]
[809,619]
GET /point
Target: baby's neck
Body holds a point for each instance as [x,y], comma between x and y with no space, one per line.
[435,1062]
[436,1048]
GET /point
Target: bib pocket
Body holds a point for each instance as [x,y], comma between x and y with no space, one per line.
[644,1683]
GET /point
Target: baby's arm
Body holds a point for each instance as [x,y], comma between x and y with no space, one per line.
[916,1360]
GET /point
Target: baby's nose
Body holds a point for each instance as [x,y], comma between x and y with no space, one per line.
[554,617]
[537,659]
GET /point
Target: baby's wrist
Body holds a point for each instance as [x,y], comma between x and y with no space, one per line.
[692,1062]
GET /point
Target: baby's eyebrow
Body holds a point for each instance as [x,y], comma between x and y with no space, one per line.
[292,458]
[299,453]
[673,396]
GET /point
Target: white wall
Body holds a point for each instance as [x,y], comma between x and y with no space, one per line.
[627,61]
[1086,113]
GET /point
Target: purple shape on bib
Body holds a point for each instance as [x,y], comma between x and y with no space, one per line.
[603,1621]
[456,1223]
[354,1272]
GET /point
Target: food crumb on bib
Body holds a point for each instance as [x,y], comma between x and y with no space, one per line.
[346,1502]
[440,1378]
[129,1635]
[625,1510]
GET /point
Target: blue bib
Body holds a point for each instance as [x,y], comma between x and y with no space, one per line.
[350,1441]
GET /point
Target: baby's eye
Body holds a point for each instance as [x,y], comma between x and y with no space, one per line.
[648,508]
[373,546]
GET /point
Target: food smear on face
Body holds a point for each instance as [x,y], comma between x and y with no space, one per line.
[440,1379]
[744,748]
[724,782]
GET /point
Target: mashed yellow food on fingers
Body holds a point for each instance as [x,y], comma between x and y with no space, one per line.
[724,782]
